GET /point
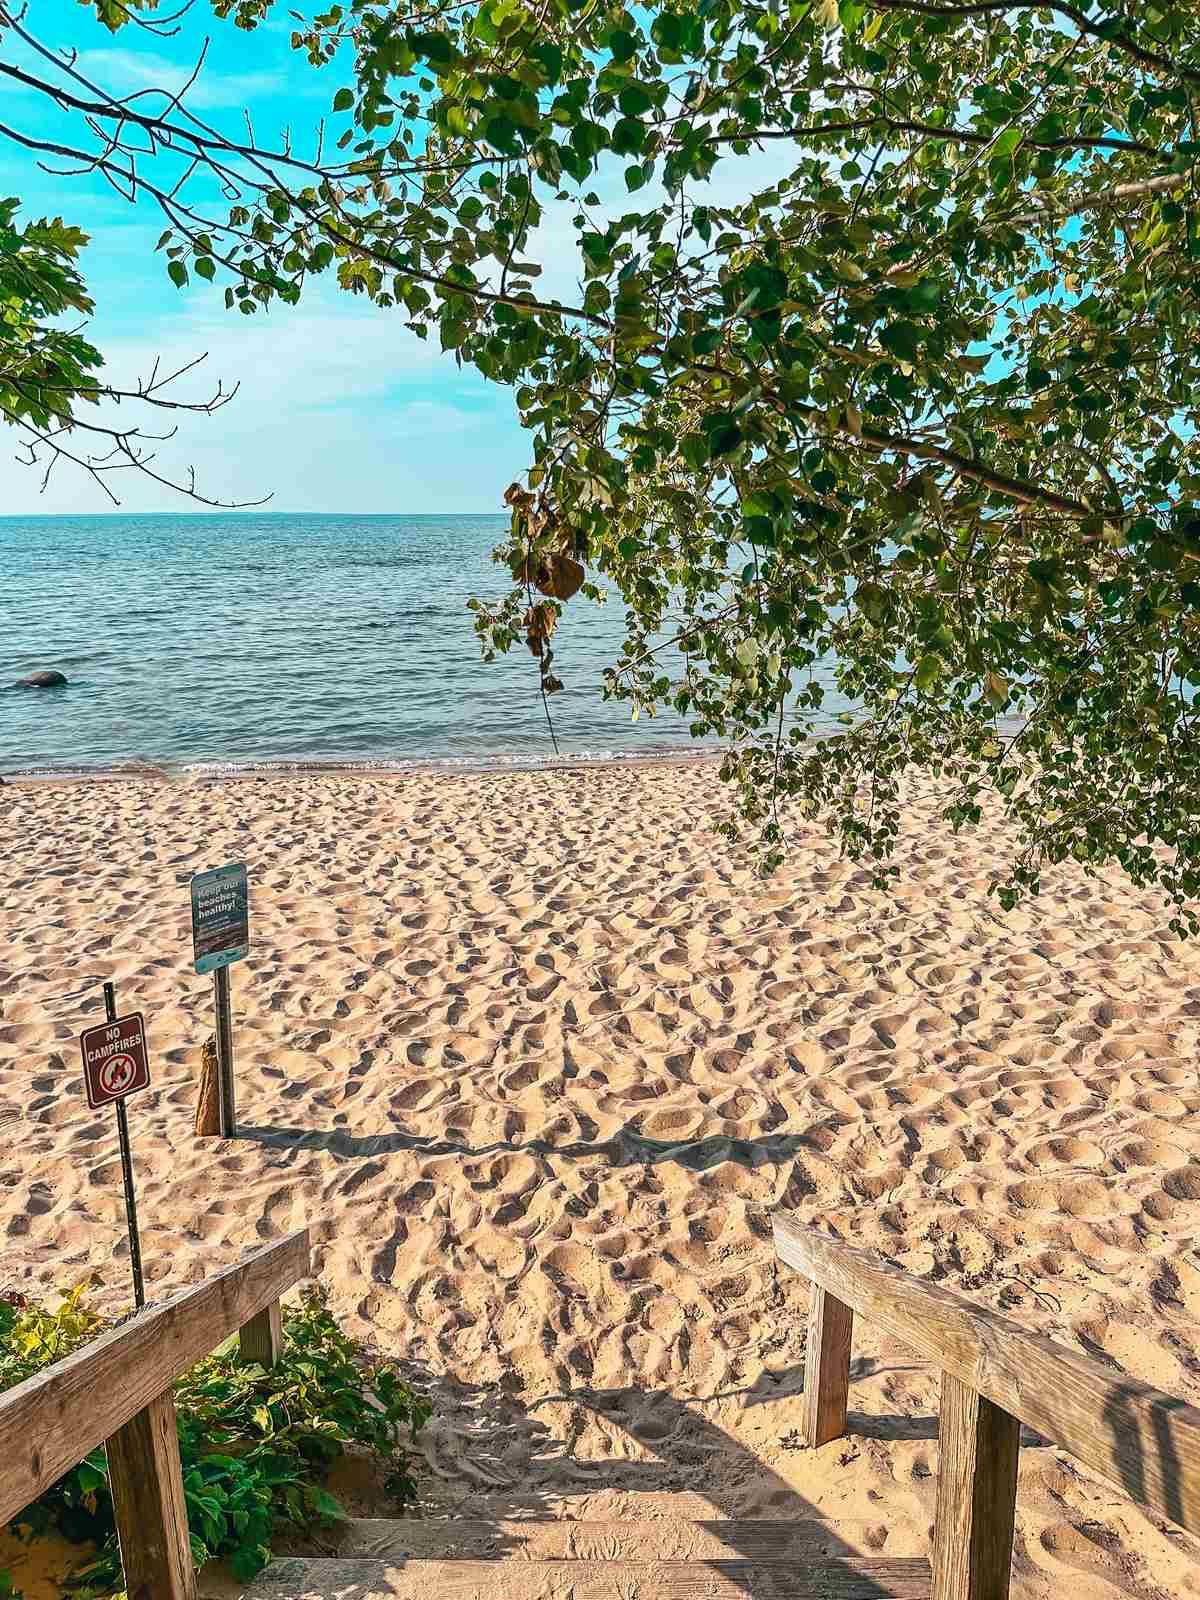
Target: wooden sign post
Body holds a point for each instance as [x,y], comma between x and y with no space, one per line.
[221,936]
[116,1065]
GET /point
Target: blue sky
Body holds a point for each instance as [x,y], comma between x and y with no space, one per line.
[340,407]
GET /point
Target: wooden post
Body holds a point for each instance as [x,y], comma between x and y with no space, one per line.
[208,1098]
[261,1339]
[1135,1436]
[976,1496]
[826,1368]
[151,1516]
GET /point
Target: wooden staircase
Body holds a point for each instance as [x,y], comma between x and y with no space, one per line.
[996,1376]
[664,1559]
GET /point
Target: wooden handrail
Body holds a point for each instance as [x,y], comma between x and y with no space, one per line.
[995,1376]
[117,1391]
[1147,1441]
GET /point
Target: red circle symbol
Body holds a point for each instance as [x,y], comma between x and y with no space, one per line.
[117,1073]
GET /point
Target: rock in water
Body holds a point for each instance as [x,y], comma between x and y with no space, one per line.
[42,680]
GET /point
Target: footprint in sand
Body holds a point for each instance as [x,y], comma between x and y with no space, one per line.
[1064,1151]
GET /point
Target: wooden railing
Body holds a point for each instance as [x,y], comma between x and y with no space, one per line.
[995,1376]
[116,1391]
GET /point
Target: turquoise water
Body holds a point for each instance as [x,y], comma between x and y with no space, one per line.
[193,641]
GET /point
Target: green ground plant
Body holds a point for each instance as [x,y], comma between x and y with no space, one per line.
[256,1444]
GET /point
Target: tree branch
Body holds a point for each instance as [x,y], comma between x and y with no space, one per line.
[930,131]
[1094,30]
[1166,183]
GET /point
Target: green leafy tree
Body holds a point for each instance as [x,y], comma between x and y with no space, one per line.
[919,404]
[50,382]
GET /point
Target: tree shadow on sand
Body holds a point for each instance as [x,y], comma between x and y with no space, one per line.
[500,1462]
[628,1148]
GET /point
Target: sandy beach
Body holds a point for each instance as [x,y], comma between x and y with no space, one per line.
[536,1055]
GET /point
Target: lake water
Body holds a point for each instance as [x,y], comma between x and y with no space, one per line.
[196,641]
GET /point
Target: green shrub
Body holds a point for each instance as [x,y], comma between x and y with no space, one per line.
[255,1444]
[31,1338]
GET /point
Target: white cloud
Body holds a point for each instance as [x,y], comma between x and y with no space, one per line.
[328,352]
[339,408]
[123,71]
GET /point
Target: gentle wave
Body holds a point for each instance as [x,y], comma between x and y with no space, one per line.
[198,643]
[379,767]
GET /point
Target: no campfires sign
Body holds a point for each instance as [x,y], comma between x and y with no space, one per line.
[114,1060]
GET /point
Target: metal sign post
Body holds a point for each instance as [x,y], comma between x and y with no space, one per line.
[225,1051]
[221,936]
[115,1065]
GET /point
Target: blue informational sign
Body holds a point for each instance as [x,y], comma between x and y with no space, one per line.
[220,917]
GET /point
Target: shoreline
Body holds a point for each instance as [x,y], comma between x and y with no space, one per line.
[419,766]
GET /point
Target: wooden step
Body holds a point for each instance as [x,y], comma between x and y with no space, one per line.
[667,1539]
[821,1578]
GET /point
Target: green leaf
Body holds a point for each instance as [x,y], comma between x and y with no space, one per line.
[925,296]
[623,45]
[326,1506]
[628,136]
[902,339]
[501,132]
[928,671]
[177,273]
[723,433]
[343,100]
[634,100]
[872,601]
[436,48]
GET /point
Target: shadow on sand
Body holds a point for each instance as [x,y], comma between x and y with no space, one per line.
[628,1148]
[690,1455]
